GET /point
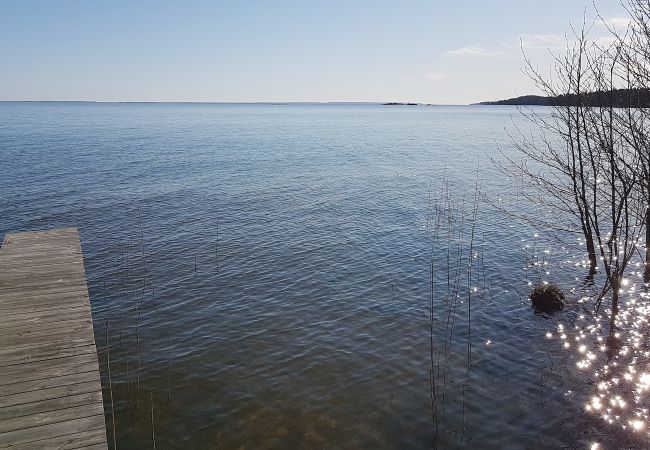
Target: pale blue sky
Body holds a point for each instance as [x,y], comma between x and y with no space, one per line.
[450,52]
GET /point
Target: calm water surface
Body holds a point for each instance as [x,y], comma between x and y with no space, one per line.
[262,274]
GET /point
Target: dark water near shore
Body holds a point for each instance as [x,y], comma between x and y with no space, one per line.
[264,271]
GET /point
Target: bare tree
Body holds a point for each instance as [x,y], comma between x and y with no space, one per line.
[554,163]
[592,160]
[635,44]
[614,206]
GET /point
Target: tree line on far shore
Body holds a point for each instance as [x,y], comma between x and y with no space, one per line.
[619,98]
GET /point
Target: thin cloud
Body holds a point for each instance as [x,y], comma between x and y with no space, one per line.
[471,51]
[542,40]
[606,41]
[436,76]
[619,23]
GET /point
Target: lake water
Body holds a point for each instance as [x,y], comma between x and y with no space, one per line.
[262,274]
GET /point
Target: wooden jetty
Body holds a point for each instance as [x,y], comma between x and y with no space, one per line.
[50,390]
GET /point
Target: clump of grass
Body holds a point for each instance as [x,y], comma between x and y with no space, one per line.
[547,297]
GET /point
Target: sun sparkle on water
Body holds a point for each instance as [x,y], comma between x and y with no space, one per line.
[618,366]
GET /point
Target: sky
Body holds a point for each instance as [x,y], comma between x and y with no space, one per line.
[434,51]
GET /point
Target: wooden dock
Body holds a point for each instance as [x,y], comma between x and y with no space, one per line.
[50,390]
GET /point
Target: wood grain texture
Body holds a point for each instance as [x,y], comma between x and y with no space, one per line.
[50,388]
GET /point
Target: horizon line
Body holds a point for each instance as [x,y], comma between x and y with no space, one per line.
[394,103]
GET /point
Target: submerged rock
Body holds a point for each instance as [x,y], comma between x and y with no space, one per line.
[547,297]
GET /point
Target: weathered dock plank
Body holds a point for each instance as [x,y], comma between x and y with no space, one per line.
[50,388]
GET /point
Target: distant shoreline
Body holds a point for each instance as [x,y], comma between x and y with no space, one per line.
[617,98]
[121,102]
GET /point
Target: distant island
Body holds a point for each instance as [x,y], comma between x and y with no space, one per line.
[618,98]
[400,104]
